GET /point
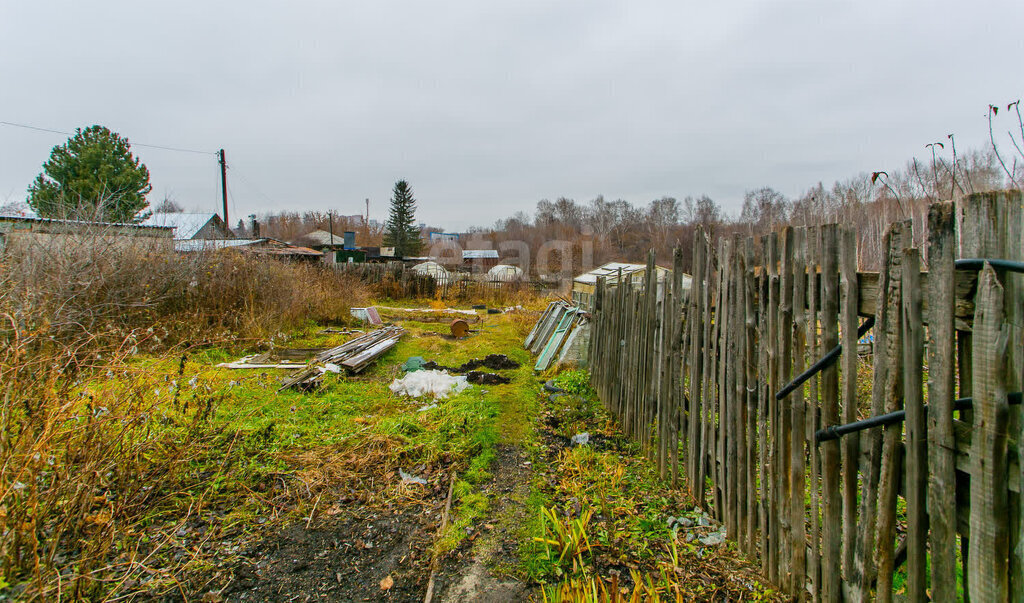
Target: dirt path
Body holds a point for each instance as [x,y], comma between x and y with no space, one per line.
[372,555]
[351,559]
[473,572]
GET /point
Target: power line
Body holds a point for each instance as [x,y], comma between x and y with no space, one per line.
[252,185]
[135,144]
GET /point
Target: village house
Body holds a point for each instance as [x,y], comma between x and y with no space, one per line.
[188,226]
[205,232]
[50,234]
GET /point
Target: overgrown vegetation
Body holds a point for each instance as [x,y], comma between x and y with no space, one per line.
[607,528]
[132,466]
[101,440]
[82,285]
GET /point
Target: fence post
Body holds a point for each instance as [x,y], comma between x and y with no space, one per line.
[696,319]
[774,501]
[814,567]
[941,366]
[798,417]
[851,445]
[763,404]
[989,546]
[916,488]
[893,434]
[749,396]
[832,533]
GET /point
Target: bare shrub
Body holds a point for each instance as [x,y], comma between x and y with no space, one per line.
[88,451]
[77,286]
[74,463]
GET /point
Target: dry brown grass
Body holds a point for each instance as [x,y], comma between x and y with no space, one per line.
[89,285]
[74,462]
[86,452]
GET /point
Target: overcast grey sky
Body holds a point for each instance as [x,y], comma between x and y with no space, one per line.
[488,107]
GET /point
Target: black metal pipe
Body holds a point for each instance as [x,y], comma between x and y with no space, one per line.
[979,263]
[826,361]
[837,431]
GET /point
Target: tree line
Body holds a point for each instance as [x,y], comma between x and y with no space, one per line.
[601,230]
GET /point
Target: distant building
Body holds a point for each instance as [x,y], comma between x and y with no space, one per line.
[258,247]
[320,239]
[585,285]
[21,232]
[340,248]
[192,226]
[443,237]
[480,260]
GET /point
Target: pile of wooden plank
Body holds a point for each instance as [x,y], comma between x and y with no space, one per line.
[353,356]
[555,336]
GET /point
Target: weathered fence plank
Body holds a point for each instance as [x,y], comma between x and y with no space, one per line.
[892,434]
[797,432]
[750,395]
[941,370]
[916,488]
[695,324]
[851,446]
[771,434]
[831,542]
[814,423]
[763,405]
[989,549]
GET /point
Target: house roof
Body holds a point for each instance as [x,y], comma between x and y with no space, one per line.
[84,223]
[186,226]
[322,237]
[261,246]
[611,272]
[611,269]
[633,271]
[210,244]
[479,254]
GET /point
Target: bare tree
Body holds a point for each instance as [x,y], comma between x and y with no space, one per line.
[168,206]
[764,208]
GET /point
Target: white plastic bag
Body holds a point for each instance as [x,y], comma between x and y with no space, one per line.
[436,383]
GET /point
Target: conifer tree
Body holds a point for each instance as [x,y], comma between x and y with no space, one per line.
[401,231]
[93,176]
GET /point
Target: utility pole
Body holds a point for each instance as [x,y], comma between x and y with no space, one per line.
[224,184]
[366,224]
[330,220]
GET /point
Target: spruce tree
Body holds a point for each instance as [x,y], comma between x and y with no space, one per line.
[401,231]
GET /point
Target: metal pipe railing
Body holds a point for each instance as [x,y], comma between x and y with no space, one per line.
[979,263]
[830,358]
[835,432]
[826,361]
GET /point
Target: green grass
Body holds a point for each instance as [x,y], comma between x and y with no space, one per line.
[246,452]
[613,482]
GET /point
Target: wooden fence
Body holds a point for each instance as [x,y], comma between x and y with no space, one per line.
[930,500]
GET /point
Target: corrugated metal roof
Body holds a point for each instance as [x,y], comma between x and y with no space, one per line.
[611,269]
[185,226]
[211,244]
[479,254]
[78,222]
[259,246]
[322,237]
